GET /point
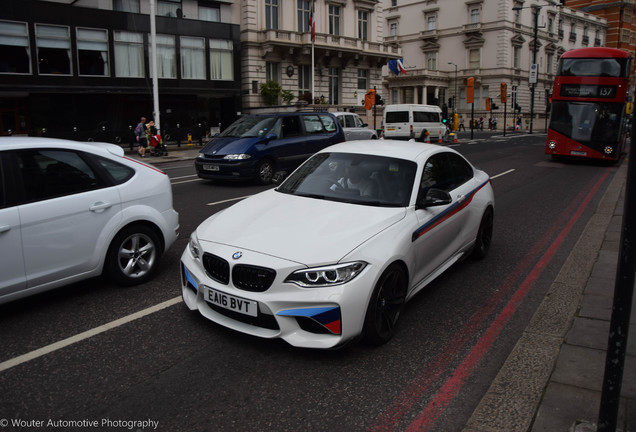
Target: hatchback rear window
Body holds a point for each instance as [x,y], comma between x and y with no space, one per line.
[397,117]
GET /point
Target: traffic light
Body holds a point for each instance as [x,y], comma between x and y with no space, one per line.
[378,99]
[470,90]
[504,92]
[450,102]
[444,113]
[494,106]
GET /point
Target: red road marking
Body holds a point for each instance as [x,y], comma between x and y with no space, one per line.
[420,385]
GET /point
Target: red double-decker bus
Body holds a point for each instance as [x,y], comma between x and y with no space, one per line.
[588,104]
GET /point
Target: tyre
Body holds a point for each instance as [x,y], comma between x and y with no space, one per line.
[385,306]
[133,256]
[484,236]
[264,172]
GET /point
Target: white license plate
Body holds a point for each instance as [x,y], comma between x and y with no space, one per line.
[210,167]
[578,153]
[236,304]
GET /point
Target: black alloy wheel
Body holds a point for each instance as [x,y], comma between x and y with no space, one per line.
[385,306]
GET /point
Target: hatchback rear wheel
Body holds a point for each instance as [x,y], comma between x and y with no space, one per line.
[484,235]
[133,256]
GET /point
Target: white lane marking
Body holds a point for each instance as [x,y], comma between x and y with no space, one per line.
[228,200]
[502,174]
[85,335]
[182,177]
[187,181]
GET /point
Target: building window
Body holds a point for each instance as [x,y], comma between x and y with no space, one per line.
[548,63]
[166,56]
[92,52]
[334,86]
[431,60]
[334,20]
[431,22]
[393,29]
[550,24]
[170,8]
[474,58]
[363,25]
[209,12]
[363,79]
[475,15]
[409,95]
[304,80]
[271,14]
[625,35]
[126,6]
[272,72]
[303,15]
[192,52]
[129,54]
[517,13]
[54,49]
[221,60]
[516,57]
[15,56]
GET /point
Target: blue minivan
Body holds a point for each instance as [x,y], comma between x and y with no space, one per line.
[258,146]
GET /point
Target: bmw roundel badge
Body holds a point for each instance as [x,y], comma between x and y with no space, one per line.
[237,255]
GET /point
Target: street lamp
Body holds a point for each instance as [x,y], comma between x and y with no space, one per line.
[534,58]
[455,95]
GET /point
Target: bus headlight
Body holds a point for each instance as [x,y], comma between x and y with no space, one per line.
[609,150]
[552,145]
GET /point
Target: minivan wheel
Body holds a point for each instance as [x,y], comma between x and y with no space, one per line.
[264,172]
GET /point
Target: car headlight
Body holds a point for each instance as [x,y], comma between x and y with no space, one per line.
[241,156]
[194,247]
[326,276]
[200,156]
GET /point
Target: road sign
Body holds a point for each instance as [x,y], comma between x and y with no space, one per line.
[533,74]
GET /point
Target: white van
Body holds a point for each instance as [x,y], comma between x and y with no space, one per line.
[406,121]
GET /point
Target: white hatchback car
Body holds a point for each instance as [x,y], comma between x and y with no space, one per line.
[71,210]
[353,126]
[337,249]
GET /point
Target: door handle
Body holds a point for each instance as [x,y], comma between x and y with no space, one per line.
[461,198]
[99,207]
[4,228]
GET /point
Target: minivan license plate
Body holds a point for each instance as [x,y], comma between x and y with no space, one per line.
[236,304]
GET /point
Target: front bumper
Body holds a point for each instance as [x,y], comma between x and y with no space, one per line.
[304,317]
[215,169]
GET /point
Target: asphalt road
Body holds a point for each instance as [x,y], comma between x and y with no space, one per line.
[92,356]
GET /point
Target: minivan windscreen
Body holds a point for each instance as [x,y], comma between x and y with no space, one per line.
[250,126]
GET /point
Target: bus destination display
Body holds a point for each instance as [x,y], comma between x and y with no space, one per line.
[589,91]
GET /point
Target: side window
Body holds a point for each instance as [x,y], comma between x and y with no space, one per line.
[445,171]
[462,171]
[290,127]
[313,124]
[351,121]
[120,173]
[328,122]
[50,173]
[359,122]
[341,120]
[419,117]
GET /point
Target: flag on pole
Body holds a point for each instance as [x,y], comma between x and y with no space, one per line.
[397,66]
[312,24]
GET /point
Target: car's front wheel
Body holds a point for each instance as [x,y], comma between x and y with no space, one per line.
[133,256]
[264,172]
[385,305]
[484,235]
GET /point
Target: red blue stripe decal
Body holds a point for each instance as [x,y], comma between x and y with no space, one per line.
[328,317]
[447,214]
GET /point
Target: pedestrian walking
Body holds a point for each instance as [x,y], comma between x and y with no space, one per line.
[461,123]
[140,136]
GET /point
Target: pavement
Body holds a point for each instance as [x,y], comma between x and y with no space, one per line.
[552,379]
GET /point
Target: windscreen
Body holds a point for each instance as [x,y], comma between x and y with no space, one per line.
[252,126]
[587,122]
[354,178]
[599,67]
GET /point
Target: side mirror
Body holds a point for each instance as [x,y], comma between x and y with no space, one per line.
[270,136]
[434,197]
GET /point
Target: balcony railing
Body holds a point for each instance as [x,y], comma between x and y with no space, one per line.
[286,37]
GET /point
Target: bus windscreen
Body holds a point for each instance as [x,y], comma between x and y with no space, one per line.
[587,122]
[594,67]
